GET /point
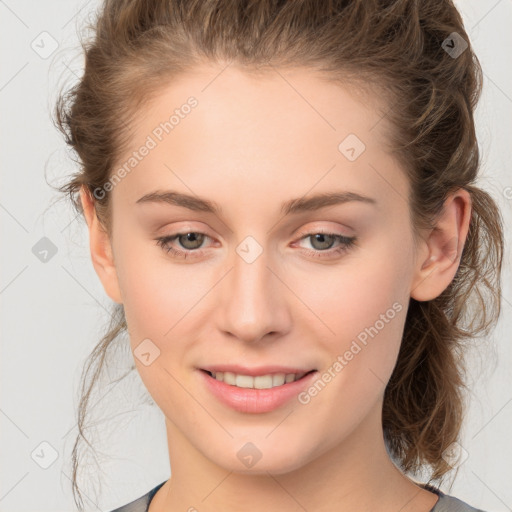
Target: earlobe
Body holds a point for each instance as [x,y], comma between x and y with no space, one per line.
[100,248]
[443,248]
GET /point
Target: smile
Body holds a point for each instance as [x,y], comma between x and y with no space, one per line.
[260,382]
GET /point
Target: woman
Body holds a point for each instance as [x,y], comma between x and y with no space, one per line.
[281,201]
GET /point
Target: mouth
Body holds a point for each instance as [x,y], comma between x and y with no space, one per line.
[255,393]
[266,381]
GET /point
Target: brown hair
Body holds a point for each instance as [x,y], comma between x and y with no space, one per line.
[393,49]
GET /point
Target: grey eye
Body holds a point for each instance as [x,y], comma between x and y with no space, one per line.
[191,240]
[324,240]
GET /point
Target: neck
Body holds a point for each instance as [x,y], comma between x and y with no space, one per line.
[357,474]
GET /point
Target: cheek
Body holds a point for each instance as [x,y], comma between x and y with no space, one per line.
[349,297]
[158,300]
[157,293]
[360,311]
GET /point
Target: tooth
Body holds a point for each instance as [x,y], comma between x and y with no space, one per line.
[278,379]
[229,378]
[263,382]
[259,382]
[244,381]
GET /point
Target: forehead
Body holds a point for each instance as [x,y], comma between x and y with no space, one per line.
[287,131]
[286,101]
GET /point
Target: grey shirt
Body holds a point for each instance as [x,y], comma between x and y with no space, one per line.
[445,503]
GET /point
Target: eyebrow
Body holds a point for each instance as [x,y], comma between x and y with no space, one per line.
[301,204]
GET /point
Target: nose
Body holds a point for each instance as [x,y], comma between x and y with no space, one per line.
[253,301]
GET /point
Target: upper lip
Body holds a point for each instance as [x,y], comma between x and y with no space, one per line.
[255,371]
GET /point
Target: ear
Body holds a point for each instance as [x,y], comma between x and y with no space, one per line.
[101,249]
[442,250]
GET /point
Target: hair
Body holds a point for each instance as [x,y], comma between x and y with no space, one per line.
[392,49]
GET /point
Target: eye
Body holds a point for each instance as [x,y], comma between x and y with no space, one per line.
[322,242]
[191,241]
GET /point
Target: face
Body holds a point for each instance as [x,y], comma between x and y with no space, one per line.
[257,284]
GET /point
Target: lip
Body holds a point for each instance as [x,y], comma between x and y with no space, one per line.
[255,401]
[255,371]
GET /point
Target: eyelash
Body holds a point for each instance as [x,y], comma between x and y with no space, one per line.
[346,244]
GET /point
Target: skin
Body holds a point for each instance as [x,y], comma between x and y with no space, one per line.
[251,144]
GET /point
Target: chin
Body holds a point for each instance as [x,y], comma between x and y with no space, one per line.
[255,459]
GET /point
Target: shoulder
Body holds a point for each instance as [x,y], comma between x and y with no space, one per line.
[140,504]
[447,503]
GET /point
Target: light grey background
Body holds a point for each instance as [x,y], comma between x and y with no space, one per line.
[53,313]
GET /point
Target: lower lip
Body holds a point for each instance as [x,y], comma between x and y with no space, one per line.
[255,400]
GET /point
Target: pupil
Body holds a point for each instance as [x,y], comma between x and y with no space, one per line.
[322,239]
[191,237]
